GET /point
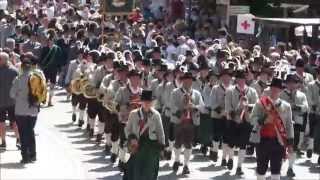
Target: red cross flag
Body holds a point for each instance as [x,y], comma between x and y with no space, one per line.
[245,24]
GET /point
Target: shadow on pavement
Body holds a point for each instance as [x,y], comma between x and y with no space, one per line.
[107,168]
[16,165]
[114,177]
[212,168]
[91,148]
[64,125]
[170,176]
[97,160]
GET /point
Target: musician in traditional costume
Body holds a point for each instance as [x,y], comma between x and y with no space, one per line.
[262,82]
[146,139]
[203,85]
[239,101]
[103,70]
[218,115]
[71,77]
[272,132]
[112,124]
[314,105]
[299,106]
[147,75]
[185,105]
[127,99]
[163,95]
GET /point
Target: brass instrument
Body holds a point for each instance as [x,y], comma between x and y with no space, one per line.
[109,103]
[89,91]
[78,84]
[244,100]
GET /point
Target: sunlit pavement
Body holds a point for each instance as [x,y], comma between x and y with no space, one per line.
[64,152]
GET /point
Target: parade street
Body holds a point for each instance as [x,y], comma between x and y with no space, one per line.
[64,152]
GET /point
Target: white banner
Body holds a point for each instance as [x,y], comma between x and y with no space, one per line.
[245,24]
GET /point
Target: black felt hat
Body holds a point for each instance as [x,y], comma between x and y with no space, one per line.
[187,75]
[292,78]
[240,74]
[134,72]
[146,95]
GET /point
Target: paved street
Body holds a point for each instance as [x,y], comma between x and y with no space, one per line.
[64,152]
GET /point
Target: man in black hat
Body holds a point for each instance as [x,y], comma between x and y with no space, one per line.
[146,139]
[185,105]
[263,79]
[239,101]
[273,130]
[127,99]
[217,98]
[146,74]
[299,105]
[314,104]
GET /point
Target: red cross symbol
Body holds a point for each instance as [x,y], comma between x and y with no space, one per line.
[245,25]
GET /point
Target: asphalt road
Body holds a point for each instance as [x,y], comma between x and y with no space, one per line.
[65,152]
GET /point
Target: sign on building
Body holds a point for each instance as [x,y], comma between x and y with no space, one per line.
[245,24]
[235,10]
[118,7]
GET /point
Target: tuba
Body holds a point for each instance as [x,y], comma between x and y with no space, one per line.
[89,91]
[77,84]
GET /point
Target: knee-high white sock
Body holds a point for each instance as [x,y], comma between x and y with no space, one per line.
[215,146]
[292,158]
[230,152]
[187,155]
[301,138]
[108,139]
[171,143]
[122,154]
[224,151]
[261,177]
[275,176]
[310,143]
[74,109]
[100,127]
[115,147]
[92,122]
[81,114]
[177,153]
[241,156]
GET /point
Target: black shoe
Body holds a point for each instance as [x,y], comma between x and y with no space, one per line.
[204,150]
[113,158]
[290,173]
[25,161]
[88,128]
[223,163]
[250,150]
[18,144]
[99,138]
[3,145]
[319,160]
[175,166]
[230,164]
[80,123]
[33,159]
[107,149]
[185,170]
[74,117]
[239,171]
[122,166]
[213,156]
[167,154]
[309,153]
[91,132]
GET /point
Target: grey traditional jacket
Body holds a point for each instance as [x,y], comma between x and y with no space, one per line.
[298,102]
[153,125]
[307,78]
[71,70]
[98,75]
[206,96]
[165,96]
[258,116]
[20,93]
[313,96]
[178,103]
[217,99]
[232,102]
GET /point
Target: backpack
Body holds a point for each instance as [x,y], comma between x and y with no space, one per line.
[37,86]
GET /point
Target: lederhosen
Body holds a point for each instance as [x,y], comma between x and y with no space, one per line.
[103,113]
[94,106]
[219,125]
[171,133]
[108,119]
[185,131]
[239,133]
[315,124]
[144,165]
